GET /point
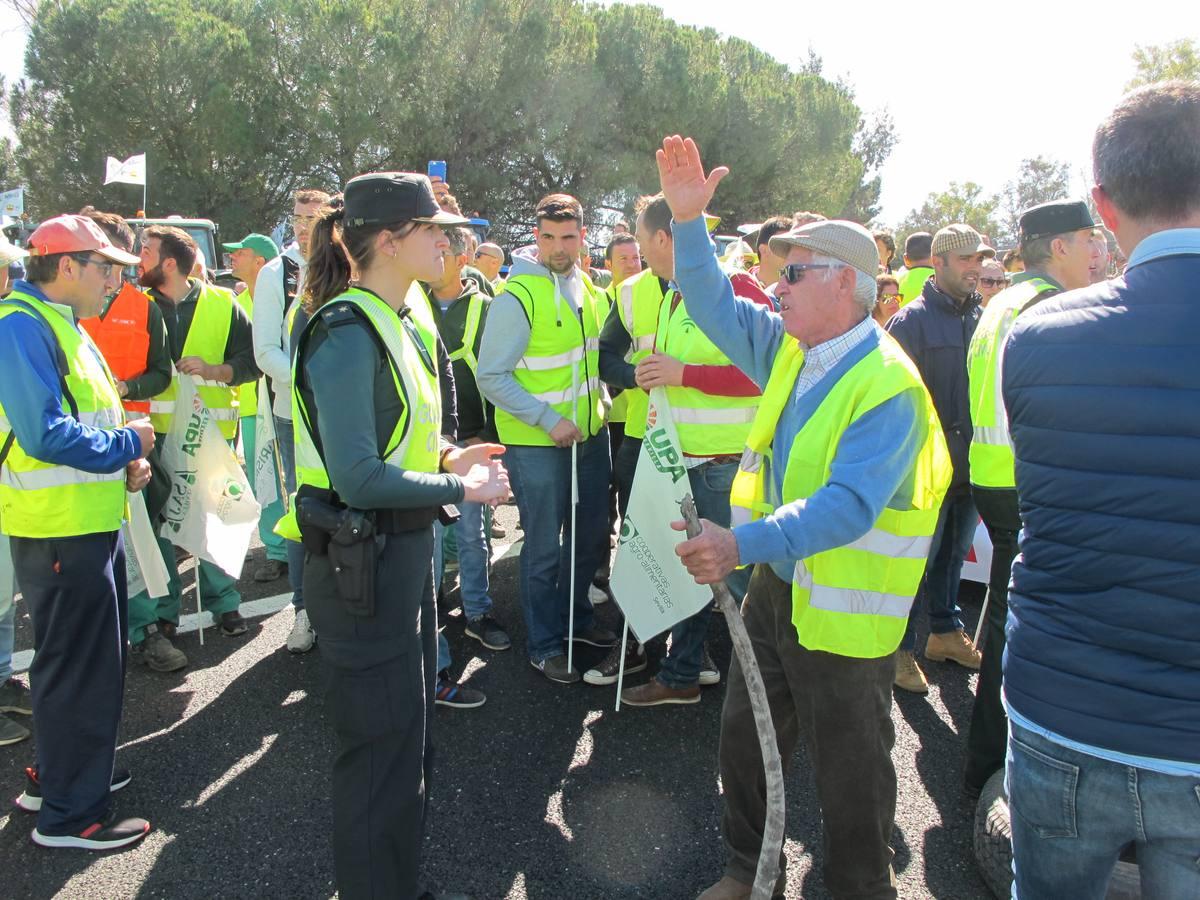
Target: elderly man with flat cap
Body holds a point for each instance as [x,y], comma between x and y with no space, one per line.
[1056,242]
[838,489]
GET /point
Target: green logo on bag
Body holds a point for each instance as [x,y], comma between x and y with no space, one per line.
[628,531]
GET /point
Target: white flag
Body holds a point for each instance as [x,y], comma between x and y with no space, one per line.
[211,512]
[12,203]
[648,581]
[262,467]
[132,171]
[144,566]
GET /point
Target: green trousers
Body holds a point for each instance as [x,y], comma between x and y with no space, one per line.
[218,595]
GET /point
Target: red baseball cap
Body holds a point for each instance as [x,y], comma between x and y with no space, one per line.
[75,234]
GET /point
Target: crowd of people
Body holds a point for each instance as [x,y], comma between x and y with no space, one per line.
[844,429]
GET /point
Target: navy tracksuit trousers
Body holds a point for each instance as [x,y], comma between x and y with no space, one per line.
[75,590]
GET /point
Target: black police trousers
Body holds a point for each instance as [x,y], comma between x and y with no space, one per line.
[380,702]
[987,740]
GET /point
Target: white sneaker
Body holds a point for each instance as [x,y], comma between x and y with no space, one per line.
[302,637]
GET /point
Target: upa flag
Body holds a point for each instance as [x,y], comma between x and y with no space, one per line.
[211,512]
[132,171]
[12,203]
[649,582]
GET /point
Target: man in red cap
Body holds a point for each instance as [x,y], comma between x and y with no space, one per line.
[67,456]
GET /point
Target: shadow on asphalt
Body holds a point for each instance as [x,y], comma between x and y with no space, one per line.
[542,793]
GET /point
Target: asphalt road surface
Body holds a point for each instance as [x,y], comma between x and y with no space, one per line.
[544,792]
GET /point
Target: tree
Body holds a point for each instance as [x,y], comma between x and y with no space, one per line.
[1039,180]
[238,102]
[873,144]
[959,203]
[1178,59]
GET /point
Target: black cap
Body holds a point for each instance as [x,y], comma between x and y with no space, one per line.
[383,198]
[1057,217]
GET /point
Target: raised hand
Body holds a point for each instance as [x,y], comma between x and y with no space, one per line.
[687,189]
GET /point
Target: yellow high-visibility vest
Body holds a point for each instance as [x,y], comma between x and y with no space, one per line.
[415,441]
[708,424]
[852,600]
[561,365]
[206,338]
[45,500]
[247,394]
[992,461]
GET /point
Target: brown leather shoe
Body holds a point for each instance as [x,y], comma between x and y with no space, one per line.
[909,676]
[727,889]
[655,693]
[953,646]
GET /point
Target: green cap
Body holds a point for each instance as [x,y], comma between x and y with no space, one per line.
[259,243]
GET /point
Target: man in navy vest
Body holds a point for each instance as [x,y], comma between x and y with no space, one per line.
[1102,668]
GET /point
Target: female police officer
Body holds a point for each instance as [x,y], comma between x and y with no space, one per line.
[370,483]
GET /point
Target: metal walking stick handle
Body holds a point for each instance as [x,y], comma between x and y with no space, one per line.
[768,856]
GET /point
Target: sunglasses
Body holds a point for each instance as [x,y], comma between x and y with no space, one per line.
[993,282]
[793,273]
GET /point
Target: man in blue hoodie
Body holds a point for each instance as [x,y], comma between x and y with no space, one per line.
[1102,667]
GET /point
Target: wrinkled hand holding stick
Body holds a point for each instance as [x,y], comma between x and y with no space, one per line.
[768,857]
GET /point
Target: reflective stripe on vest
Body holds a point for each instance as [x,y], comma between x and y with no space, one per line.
[45,500]
[207,336]
[991,457]
[708,424]
[415,441]
[638,300]
[851,600]
[561,365]
[123,336]
[470,332]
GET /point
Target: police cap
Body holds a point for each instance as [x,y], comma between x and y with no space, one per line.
[1057,217]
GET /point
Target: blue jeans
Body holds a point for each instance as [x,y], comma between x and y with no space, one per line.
[1073,813]
[943,573]
[295,550]
[473,558]
[276,546]
[710,489]
[541,481]
[443,645]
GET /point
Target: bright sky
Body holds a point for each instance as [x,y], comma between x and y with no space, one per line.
[957,84]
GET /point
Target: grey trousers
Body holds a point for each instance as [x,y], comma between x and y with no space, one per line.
[842,708]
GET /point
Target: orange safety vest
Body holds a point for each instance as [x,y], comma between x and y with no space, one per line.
[123,336]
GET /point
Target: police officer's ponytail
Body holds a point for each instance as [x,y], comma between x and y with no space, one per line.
[328,265]
[332,246]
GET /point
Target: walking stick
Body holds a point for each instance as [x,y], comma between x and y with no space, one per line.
[574,508]
[987,598]
[768,855]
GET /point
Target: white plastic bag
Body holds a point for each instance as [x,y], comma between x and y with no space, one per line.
[212,512]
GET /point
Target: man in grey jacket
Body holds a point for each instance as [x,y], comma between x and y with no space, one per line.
[276,313]
[539,366]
